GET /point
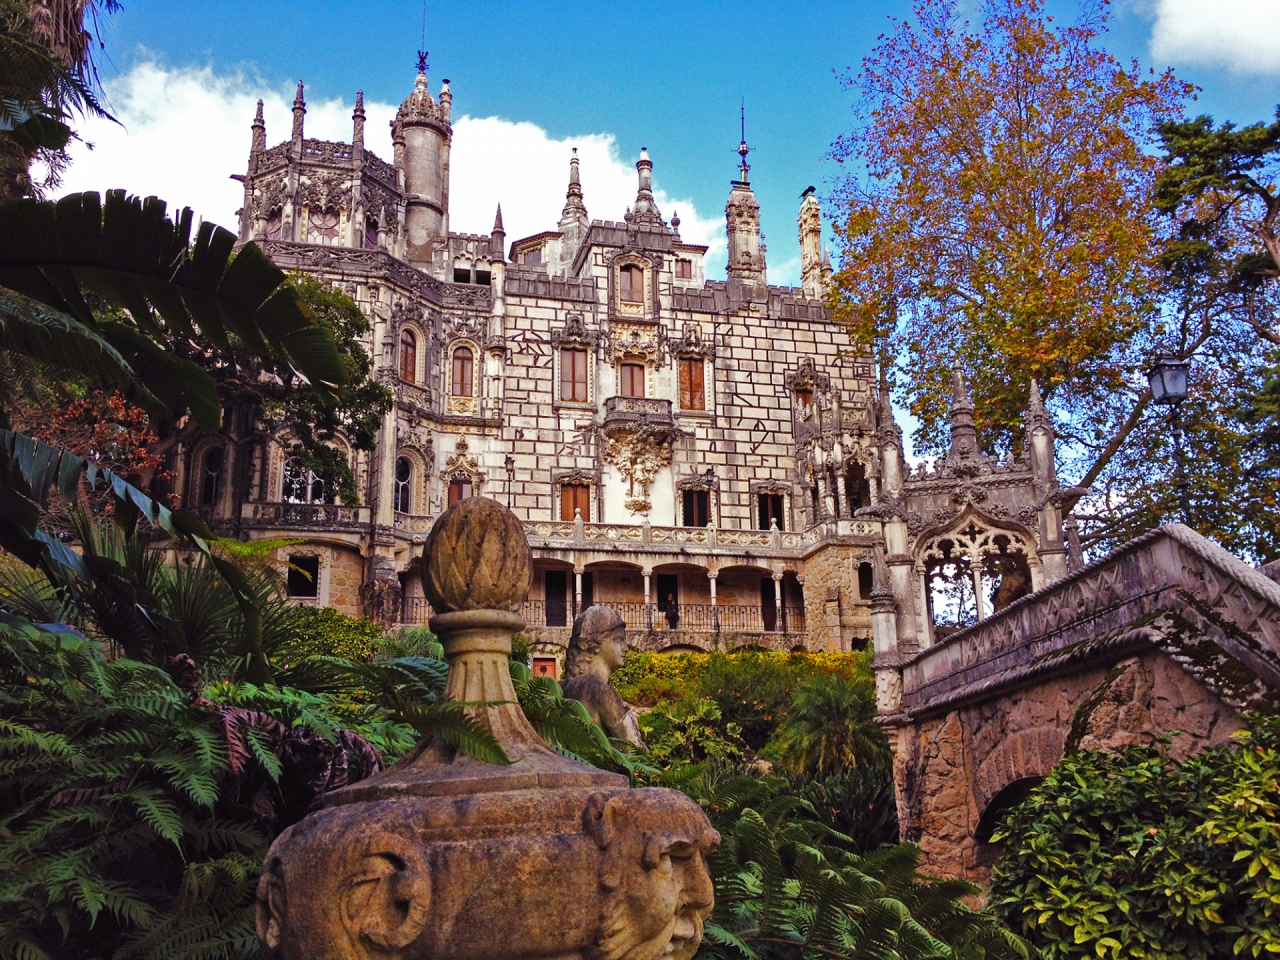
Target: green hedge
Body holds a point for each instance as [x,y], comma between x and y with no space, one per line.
[323,631]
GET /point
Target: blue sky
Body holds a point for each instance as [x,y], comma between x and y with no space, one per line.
[542,76]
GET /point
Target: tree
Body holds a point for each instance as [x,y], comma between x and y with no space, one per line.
[830,726]
[999,216]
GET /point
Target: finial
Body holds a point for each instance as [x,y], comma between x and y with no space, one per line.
[477,558]
[964,438]
[1037,415]
[675,220]
[959,393]
[298,101]
[257,117]
[497,220]
[743,149]
[359,102]
[422,61]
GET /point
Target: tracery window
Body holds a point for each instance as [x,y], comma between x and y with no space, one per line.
[324,227]
[631,284]
[971,574]
[463,368]
[575,498]
[210,476]
[631,379]
[302,485]
[404,485]
[693,395]
[408,357]
[573,374]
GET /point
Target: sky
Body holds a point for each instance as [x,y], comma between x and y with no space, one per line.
[534,79]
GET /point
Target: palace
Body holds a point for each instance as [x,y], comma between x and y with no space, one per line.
[712,457]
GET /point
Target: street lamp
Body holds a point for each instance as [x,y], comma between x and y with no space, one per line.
[1167,378]
[510,464]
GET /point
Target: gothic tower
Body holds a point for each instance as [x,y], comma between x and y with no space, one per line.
[812,256]
[574,222]
[422,135]
[742,224]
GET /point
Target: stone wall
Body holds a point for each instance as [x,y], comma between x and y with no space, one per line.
[948,770]
[837,616]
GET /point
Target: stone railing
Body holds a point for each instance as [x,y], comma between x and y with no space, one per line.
[327,516]
[646,537]
[409,394]
[630,414]
[406,524]
[1170,587]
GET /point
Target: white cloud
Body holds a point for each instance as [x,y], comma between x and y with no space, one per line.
[1241,35]
[186,130]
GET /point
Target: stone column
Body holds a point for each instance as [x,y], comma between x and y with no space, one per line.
[780,617]
[577,590]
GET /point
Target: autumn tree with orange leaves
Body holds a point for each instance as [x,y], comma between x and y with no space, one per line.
[998,192]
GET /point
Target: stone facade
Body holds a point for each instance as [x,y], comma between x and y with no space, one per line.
[1168,634]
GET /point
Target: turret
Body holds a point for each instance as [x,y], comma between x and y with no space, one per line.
[422,135]
[742,223]
[645,211]
[964,436]
[250,218]
[573,219]
[811,251]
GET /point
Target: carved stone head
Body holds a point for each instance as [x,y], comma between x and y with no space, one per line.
[599,635]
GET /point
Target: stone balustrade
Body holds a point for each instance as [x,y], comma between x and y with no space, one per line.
[308,516]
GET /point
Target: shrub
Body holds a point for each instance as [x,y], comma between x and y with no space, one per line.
[689,731]
[1138,855]
[830,725]
[323,631]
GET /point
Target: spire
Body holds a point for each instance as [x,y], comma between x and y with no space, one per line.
[357,125]
[299,110]
[574,221]
[743,149]
[889,431]
[574,207]
[498,237]
[645,210]
[258,142]
[1037,415]
[811,252]
[742,222]
[964,437]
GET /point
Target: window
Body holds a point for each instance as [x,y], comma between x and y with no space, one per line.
[866,579]
[404,488]
[573,375]
[697,508]
[770,510]
[210,476]
[302,485]
[304,577]
[692,394]
[575,497]
[463,364]
[684,269]
[631,284]
[324,228]
[371,234]
[274,227]
[408,357]
[533,257]
[804,396]
[857,488]
[631,379]
[459,489]
[482,277]
[461,275]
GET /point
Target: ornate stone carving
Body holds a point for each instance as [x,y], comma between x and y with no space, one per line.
[635,340]
[638,458]
[446,856]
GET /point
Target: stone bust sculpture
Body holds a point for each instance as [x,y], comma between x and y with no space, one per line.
[596,649]
[445,856]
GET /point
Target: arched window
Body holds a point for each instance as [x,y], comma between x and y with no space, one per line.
[631,284]
[408,357]
[210,476]
[302,485]
[404,486]
[463,365]
[324,227]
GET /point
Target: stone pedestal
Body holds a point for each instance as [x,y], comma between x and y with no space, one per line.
[446,856]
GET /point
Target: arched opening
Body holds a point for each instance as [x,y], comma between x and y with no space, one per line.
[988,853]
[408,357]
[211,476]
[866,580]
[971,574]
[463,370]
[631,284]
[857,488]
[404,485]
[301,485]
[324,227]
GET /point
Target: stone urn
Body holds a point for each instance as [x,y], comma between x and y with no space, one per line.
[443,856]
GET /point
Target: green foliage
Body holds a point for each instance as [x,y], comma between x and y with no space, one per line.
[323,631]
[830,725]
[1136,855]
[689,731]
[787,888]
[751,688]
[858,802]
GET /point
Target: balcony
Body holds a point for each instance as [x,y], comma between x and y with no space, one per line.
[306,516]
[645,415]
[651,617]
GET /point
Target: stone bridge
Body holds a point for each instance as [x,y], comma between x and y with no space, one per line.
[1168,633]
